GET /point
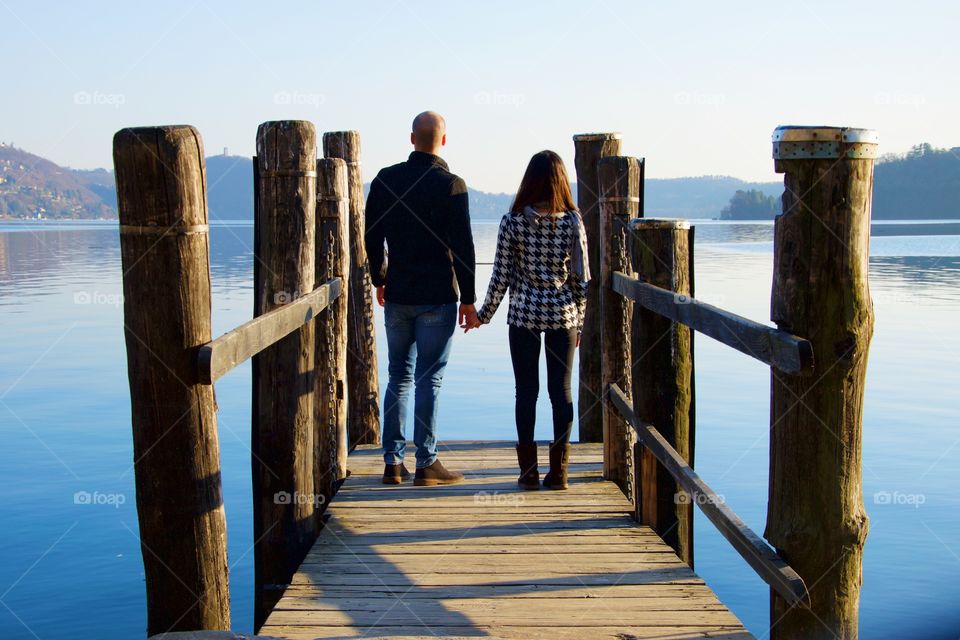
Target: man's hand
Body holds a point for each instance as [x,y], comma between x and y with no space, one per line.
[380,298]
[578,339]
[468,317]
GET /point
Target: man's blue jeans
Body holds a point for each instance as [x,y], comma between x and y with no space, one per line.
[418,342]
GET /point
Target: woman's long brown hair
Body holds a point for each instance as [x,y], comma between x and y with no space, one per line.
[545,182]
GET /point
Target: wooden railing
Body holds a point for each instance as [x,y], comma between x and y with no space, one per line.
[297,342]
[647,316]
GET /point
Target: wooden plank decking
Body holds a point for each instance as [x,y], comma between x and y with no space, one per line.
[481,559]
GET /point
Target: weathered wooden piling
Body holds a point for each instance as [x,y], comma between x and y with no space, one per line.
[589,148]
[816,517]
[283,380]
[362,380]
[162,201]
[619,180]
[662,372]
[330,402]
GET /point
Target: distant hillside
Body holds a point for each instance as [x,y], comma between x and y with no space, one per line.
[31,187]
[920,184]
[923,183]
[701,197]
[230,187]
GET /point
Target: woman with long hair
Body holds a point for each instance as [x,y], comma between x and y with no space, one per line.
[541,258]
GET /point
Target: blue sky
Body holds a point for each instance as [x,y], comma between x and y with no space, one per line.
[696,87]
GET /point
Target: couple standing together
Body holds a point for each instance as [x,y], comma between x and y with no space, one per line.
[417,214]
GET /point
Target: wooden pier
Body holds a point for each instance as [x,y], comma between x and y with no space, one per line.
[481,559]
[612,557]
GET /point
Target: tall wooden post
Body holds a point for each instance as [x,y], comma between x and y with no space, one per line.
[165,252]
[333,261]
[363,387]
[589,148]
[619,178]
[662,378]
[283,426]
[816,517]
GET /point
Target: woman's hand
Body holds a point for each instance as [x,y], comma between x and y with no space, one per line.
[578,339]
[470,321]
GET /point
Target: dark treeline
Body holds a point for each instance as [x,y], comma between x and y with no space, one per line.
[923,183]
[751,205]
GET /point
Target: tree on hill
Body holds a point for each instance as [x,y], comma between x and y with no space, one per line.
[751,205]
[922,183]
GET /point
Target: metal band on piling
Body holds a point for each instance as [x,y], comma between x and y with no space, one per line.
[797,143]
[298,173]
[620,199]
[152,230]
[596,137]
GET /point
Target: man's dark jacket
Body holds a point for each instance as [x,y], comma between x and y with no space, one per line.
[420,209]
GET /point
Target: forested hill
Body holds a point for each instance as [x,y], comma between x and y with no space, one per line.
[922,184]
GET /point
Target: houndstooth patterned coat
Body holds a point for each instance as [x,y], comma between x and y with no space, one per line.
[533,261]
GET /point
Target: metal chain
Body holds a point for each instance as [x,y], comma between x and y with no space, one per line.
[331,365]
[626,435]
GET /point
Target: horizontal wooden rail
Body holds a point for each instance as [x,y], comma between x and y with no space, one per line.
[777,348]
[219,356]
[751,547]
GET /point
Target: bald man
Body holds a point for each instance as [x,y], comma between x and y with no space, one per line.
[418,212]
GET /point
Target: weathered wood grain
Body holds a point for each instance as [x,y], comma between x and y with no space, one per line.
[816,515]
[662,374]
[751,547]
[330,359]
[451,561]
[219,356]
[619,178]
[589,148]
[283,425]
[363,388]
[775,347]
[165,253]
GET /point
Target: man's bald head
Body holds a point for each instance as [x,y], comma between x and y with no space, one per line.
[429,132]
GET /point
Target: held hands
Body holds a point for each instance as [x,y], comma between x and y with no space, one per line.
[380,296]
[468,317]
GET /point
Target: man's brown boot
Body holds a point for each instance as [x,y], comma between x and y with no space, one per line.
[529,474]
[559,455]
[395,473]
[436,474]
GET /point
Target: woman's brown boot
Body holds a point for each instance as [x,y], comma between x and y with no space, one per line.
[557,477]
[529,474]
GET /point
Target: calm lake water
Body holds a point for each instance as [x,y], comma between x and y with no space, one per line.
[70,564]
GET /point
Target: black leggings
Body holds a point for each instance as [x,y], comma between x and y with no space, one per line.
[561,346]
